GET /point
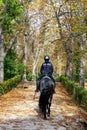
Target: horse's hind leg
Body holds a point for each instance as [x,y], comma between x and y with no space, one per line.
[49,104]
[45,114]
[44,111]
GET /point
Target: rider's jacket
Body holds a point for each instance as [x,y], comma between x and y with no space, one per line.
[46,68]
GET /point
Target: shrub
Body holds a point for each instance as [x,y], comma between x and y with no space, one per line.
[11,66]
[29,77]
[76,77]
[9,84]
[78,93]
[57,78]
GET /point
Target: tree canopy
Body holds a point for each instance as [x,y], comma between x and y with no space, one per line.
[54,27]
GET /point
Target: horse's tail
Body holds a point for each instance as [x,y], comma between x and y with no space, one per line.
[43,100]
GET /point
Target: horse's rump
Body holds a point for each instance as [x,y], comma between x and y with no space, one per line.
[46,84]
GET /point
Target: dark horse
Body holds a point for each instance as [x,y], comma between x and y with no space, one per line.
[46,95]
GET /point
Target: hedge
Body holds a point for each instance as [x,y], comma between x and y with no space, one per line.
[31,77]
[57,78]
[79,94]
[9,84]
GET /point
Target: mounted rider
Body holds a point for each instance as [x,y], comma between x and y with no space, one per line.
[46,70]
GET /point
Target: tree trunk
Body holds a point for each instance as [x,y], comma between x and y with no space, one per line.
[82,72]
[82,42]
[82,81]
[66,69]
[1,56]
[2,45]
[71,70]
[24,59]
[69,60]
[34,71]
[35,61]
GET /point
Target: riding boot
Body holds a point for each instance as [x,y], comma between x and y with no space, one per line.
[37,90]
[54,88]
[54,91]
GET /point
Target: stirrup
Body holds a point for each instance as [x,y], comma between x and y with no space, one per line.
[54,92]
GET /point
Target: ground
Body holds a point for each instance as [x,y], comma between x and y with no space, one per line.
[19,111]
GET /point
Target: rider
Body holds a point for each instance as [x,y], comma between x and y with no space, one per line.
[46,69]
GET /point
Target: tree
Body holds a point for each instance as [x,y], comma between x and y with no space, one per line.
[67,17]
[12,67]
[9,18]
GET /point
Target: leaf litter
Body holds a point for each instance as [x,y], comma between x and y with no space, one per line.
[19,111]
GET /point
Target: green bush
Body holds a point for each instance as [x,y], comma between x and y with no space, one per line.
[85,78]
[76,77]
[29,77]
[9,84]
[11,66]
[57,78]
[78,93]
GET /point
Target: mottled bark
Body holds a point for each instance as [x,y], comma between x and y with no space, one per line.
[69,59]
[82,42]
[82,72]
[24,59]
[82,79]
[35,58]
[71,69]
[1,56]
[2,44]
[66,69]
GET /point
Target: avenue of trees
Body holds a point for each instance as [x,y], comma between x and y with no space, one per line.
[30,29]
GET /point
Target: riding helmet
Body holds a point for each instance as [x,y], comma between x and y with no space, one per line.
[47,58]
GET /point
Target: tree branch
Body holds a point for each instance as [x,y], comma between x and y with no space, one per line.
[12,41]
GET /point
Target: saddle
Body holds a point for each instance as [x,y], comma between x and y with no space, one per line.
[46,77]
[40,81]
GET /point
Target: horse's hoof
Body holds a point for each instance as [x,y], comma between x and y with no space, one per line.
[45,118]
[48,115]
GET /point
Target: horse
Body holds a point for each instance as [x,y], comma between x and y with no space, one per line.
[46,95]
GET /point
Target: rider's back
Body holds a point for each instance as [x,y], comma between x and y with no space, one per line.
[46,68]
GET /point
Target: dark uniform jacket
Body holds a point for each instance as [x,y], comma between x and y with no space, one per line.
[46,68]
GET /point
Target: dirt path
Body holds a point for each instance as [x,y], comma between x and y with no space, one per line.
[18,111]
